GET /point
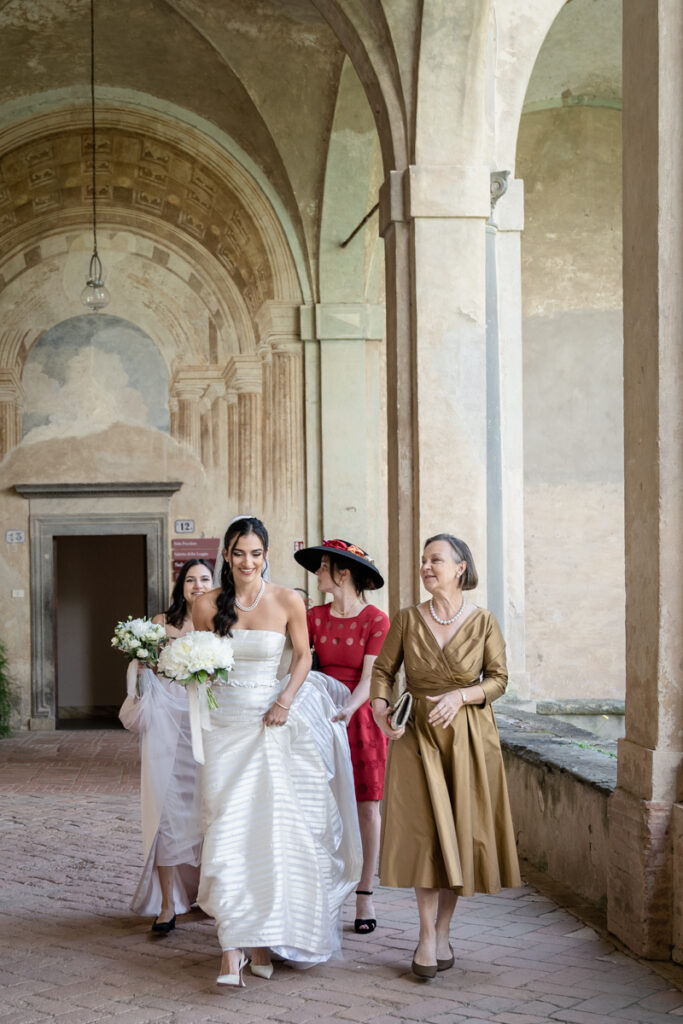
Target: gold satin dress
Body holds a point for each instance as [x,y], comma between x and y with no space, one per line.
[446,820]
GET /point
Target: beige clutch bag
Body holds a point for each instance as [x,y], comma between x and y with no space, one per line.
[400,712]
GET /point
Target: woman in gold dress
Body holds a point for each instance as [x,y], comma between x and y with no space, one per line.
[446,824]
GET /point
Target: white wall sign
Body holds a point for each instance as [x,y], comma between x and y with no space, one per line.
[184,526]
[15,536]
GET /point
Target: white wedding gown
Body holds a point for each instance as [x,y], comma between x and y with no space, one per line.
[282,848]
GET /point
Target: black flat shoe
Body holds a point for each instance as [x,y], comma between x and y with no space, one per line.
[364,925]
[163,927]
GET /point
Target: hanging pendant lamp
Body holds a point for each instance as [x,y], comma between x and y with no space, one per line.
[95,295]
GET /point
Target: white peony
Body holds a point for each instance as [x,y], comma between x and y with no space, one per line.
[197,657]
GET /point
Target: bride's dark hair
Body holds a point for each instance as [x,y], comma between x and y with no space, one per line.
[226,617]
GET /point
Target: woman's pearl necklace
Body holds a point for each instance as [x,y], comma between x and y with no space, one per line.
[445,622]
[250,607]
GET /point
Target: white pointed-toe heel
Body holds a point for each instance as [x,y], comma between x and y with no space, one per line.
[236,980]
[262,970]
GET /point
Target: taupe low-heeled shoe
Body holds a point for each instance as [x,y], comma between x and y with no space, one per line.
[445,965]
[423,970]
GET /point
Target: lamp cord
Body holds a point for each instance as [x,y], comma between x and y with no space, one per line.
[92,123]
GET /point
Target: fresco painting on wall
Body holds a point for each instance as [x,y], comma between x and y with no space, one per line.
[87,373]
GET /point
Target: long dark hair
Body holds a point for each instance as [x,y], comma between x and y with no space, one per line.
[226,617]
[177,610]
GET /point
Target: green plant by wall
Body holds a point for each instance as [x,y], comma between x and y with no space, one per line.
[5,693]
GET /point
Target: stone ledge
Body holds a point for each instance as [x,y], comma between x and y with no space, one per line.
[580,706]
[565,748]
[560,779]
[119,489]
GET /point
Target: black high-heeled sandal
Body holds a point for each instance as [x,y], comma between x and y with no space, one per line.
[364,925]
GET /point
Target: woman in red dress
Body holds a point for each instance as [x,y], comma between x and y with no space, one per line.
[347,635]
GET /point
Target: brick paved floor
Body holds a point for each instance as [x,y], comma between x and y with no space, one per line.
[71,951]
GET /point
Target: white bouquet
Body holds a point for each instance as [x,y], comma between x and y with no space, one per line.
[139,638]
[197,657]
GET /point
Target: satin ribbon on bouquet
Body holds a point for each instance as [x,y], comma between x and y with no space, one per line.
[200,718]
[132,677]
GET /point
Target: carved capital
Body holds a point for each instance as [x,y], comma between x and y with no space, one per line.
[449,190]
[193,381]
[243,374]
[276,319]
[341,321]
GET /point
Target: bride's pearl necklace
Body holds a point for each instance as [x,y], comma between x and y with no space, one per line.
[250,607]
[445,622]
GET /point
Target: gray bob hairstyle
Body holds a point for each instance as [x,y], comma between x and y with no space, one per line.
[461,553]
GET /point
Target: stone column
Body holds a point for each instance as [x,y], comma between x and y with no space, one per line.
[232,422]
[206,430]
[186,389]
[219,426]
[286,489]
[402,477]
[11,395]
[243,377]
[287,422]
[505,421]
[640,896]
[220,453]
[433,219]
[350,424]
[268,466]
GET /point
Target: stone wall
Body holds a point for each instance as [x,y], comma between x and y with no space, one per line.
[558,796]
[569,158]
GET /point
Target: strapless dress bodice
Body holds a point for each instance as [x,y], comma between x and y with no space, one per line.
[257,654]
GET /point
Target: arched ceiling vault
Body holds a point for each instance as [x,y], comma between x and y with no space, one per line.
[149,167]
[261,72]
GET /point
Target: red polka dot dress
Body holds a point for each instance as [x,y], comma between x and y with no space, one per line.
[341,645]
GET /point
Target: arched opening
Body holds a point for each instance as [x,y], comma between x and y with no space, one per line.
[569,155]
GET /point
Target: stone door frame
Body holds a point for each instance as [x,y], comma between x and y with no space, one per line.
[45,526]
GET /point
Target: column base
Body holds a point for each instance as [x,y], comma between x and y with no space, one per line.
[677,845]
[640,876]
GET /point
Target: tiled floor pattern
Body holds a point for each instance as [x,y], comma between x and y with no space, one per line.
[71,952]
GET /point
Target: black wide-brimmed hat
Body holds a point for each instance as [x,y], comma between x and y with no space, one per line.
[342,550]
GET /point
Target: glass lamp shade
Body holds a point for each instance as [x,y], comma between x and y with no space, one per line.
[95,296]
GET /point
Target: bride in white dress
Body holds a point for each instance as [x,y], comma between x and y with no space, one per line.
[281,842]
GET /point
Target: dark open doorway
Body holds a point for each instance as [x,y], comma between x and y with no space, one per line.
[98,580]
